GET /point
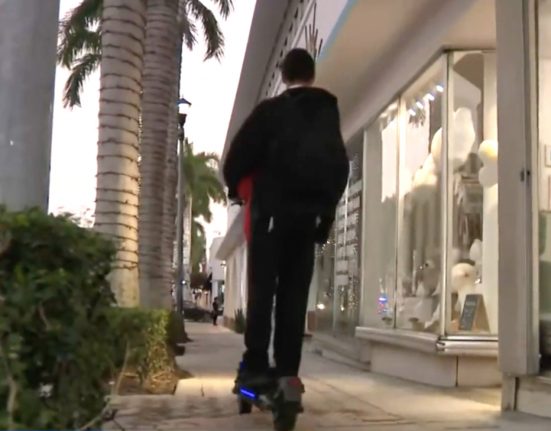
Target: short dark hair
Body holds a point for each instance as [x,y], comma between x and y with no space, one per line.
[298,66]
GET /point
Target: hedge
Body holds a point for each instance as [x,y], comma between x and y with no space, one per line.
[63,341]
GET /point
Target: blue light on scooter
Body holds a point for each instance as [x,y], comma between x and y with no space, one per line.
[248,394]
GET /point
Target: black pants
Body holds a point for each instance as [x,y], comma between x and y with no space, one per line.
[281,262]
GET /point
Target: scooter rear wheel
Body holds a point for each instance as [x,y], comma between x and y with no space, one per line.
[244,406]
[285,417]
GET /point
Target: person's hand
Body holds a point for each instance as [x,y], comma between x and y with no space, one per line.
[232,194]
[237,201]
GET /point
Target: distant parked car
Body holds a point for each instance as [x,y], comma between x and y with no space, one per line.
[193,312]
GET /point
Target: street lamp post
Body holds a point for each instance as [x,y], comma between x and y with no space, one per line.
[182,115]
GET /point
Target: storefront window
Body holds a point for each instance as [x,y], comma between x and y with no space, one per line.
[324,277]
[430,251]
[544,70]
[472,222]
[348,236]
[420,245]
[381,203]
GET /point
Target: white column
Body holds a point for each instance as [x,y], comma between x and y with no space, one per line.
[28,39]
[518,318]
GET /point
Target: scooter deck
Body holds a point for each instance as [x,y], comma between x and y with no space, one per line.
[261,398]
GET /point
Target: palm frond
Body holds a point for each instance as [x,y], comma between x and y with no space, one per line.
[79,72]
[224,6]
[202,182]
[200,229]
[189,33]
[187,27]
[77,42]
[79,30]
[212,34]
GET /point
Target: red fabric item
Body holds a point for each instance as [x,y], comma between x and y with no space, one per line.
[245,191]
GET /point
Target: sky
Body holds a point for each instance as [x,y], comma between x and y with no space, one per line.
[210,87]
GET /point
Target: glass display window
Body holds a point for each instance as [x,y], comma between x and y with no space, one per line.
[430,194]
[472,195]
[325,278]
[425,258]
[381,208]
[419,258]
[338,262]
[348,244]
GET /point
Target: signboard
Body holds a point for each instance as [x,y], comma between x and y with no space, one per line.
[474,316]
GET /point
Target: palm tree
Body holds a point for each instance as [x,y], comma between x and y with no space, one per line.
[122,38]
[159,81]
[203,187]
[80,43]
[80,49]
[162,70]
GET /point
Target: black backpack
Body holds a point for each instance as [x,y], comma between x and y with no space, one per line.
[307,165]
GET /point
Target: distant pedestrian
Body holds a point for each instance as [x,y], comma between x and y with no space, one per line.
[215,311]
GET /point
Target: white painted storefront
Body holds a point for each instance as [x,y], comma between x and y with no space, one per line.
[433,271]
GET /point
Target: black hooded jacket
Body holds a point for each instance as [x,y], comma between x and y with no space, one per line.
[269,121]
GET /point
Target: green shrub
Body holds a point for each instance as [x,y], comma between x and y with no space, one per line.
[240,321]
[147,335]
[56,337]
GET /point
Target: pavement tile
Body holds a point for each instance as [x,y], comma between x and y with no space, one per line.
[338,397]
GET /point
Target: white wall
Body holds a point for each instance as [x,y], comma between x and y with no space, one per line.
[216,266]
[235,297]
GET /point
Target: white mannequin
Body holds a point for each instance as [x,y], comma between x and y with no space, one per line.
[464,137]
[488,154]
[462,143]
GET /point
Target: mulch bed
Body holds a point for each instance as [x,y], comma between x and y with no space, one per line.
[160,384]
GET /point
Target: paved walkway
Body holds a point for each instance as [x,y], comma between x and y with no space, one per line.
[338,398]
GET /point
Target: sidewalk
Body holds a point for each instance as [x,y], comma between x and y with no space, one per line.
[337,397]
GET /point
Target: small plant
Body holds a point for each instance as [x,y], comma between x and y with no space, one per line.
[240,321]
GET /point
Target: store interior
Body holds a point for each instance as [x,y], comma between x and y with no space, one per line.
[420,198]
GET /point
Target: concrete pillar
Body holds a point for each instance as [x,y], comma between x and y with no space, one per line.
[517,128]
[28,39]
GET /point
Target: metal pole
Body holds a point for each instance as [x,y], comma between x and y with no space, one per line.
[180,220]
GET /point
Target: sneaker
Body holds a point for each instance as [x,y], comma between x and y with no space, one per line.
[261,381]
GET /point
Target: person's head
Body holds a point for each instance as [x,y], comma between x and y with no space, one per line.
[298,68]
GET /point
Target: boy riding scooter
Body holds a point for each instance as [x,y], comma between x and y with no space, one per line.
[289,162]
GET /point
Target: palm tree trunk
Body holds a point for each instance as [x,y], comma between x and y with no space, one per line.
[28,35]
[159,81]
[123,32]
[171,179]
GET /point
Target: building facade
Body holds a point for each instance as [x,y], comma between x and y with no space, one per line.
[437,269]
